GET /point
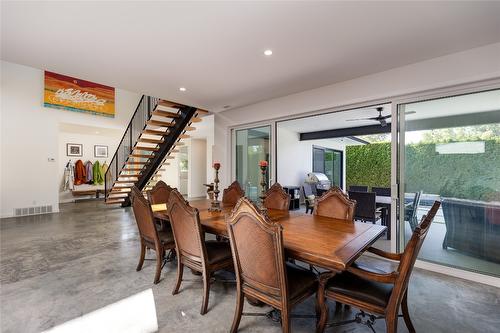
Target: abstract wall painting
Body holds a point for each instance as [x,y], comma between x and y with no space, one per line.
[69,93]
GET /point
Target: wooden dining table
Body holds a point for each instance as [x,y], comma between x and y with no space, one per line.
[330,243]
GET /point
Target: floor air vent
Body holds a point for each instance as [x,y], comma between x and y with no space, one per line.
[33,210]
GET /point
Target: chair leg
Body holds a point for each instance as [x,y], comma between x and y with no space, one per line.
[237,311]
[391,323]
[180,271]
[285,320]
[206,292]
[159,263]
[141,258]
[406,313]
[323,310]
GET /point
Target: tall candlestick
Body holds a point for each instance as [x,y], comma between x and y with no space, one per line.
[263,169]
[215,206]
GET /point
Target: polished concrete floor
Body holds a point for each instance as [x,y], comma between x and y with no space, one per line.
[58,267]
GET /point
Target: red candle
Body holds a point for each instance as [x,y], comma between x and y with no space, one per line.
[263,163]
[216,165]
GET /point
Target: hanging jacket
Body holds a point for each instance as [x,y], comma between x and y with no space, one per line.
[97,173]
[104,168]
[88,169]
[80,173]
[69,176]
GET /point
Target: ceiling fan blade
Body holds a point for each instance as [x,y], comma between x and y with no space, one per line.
[410,112]
[385,117]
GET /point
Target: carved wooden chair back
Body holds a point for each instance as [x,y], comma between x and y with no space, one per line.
[257,248]
[408,258]
[335,204]
[277,198]
[187,229]
[160,193]
[232,194]
[144,216]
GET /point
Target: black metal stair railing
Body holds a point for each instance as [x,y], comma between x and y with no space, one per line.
[133,131]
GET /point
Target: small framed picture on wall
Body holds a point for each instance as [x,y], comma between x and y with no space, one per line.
[100,151]
[74,149]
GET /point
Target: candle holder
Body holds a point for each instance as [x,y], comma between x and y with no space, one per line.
[263,187]
[215,205]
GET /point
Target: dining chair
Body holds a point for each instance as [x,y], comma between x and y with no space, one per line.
[192,249]
[309,196]
[335,204]
[382,191]
[232,194]
[158,240]
[277,198]
[366,207]
[412,209]
[358,188]
[369,288]
[269,279]
[159,194]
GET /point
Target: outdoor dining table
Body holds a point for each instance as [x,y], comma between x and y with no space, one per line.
[325,242]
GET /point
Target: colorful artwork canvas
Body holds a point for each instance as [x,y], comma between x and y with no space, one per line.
[69,93]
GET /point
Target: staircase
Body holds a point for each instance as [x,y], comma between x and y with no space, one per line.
[155,131]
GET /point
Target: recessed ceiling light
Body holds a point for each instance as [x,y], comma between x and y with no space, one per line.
[268,52]
[96,132]
[182,89]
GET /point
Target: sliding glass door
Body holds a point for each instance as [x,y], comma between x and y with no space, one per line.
[450,151]
[329,162]
[252,145]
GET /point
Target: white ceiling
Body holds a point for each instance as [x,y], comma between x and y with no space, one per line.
[215,49]
[455,105]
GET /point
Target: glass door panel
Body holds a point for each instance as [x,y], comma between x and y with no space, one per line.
[252,146]
[451,152]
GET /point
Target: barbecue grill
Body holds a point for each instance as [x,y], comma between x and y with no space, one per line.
[319,181]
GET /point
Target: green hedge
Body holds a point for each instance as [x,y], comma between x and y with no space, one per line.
[468,176]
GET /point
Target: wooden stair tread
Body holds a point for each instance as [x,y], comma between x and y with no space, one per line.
[142,155]
[196,120]
[117,195]
[155,132]
[146,148]
[170,157]
[132,169]
[202,112]
[159,123]
[125,181]
[167,114]
[149,140]
[118,190]
[114,201]
[169,104]
[184,136]
[189,128]
[136,163]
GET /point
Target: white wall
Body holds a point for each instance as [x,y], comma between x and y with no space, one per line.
[88,141]
[29,136]
[463,67]
[197,168]
[295,157]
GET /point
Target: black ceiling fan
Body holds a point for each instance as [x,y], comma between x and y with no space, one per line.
[380,118]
